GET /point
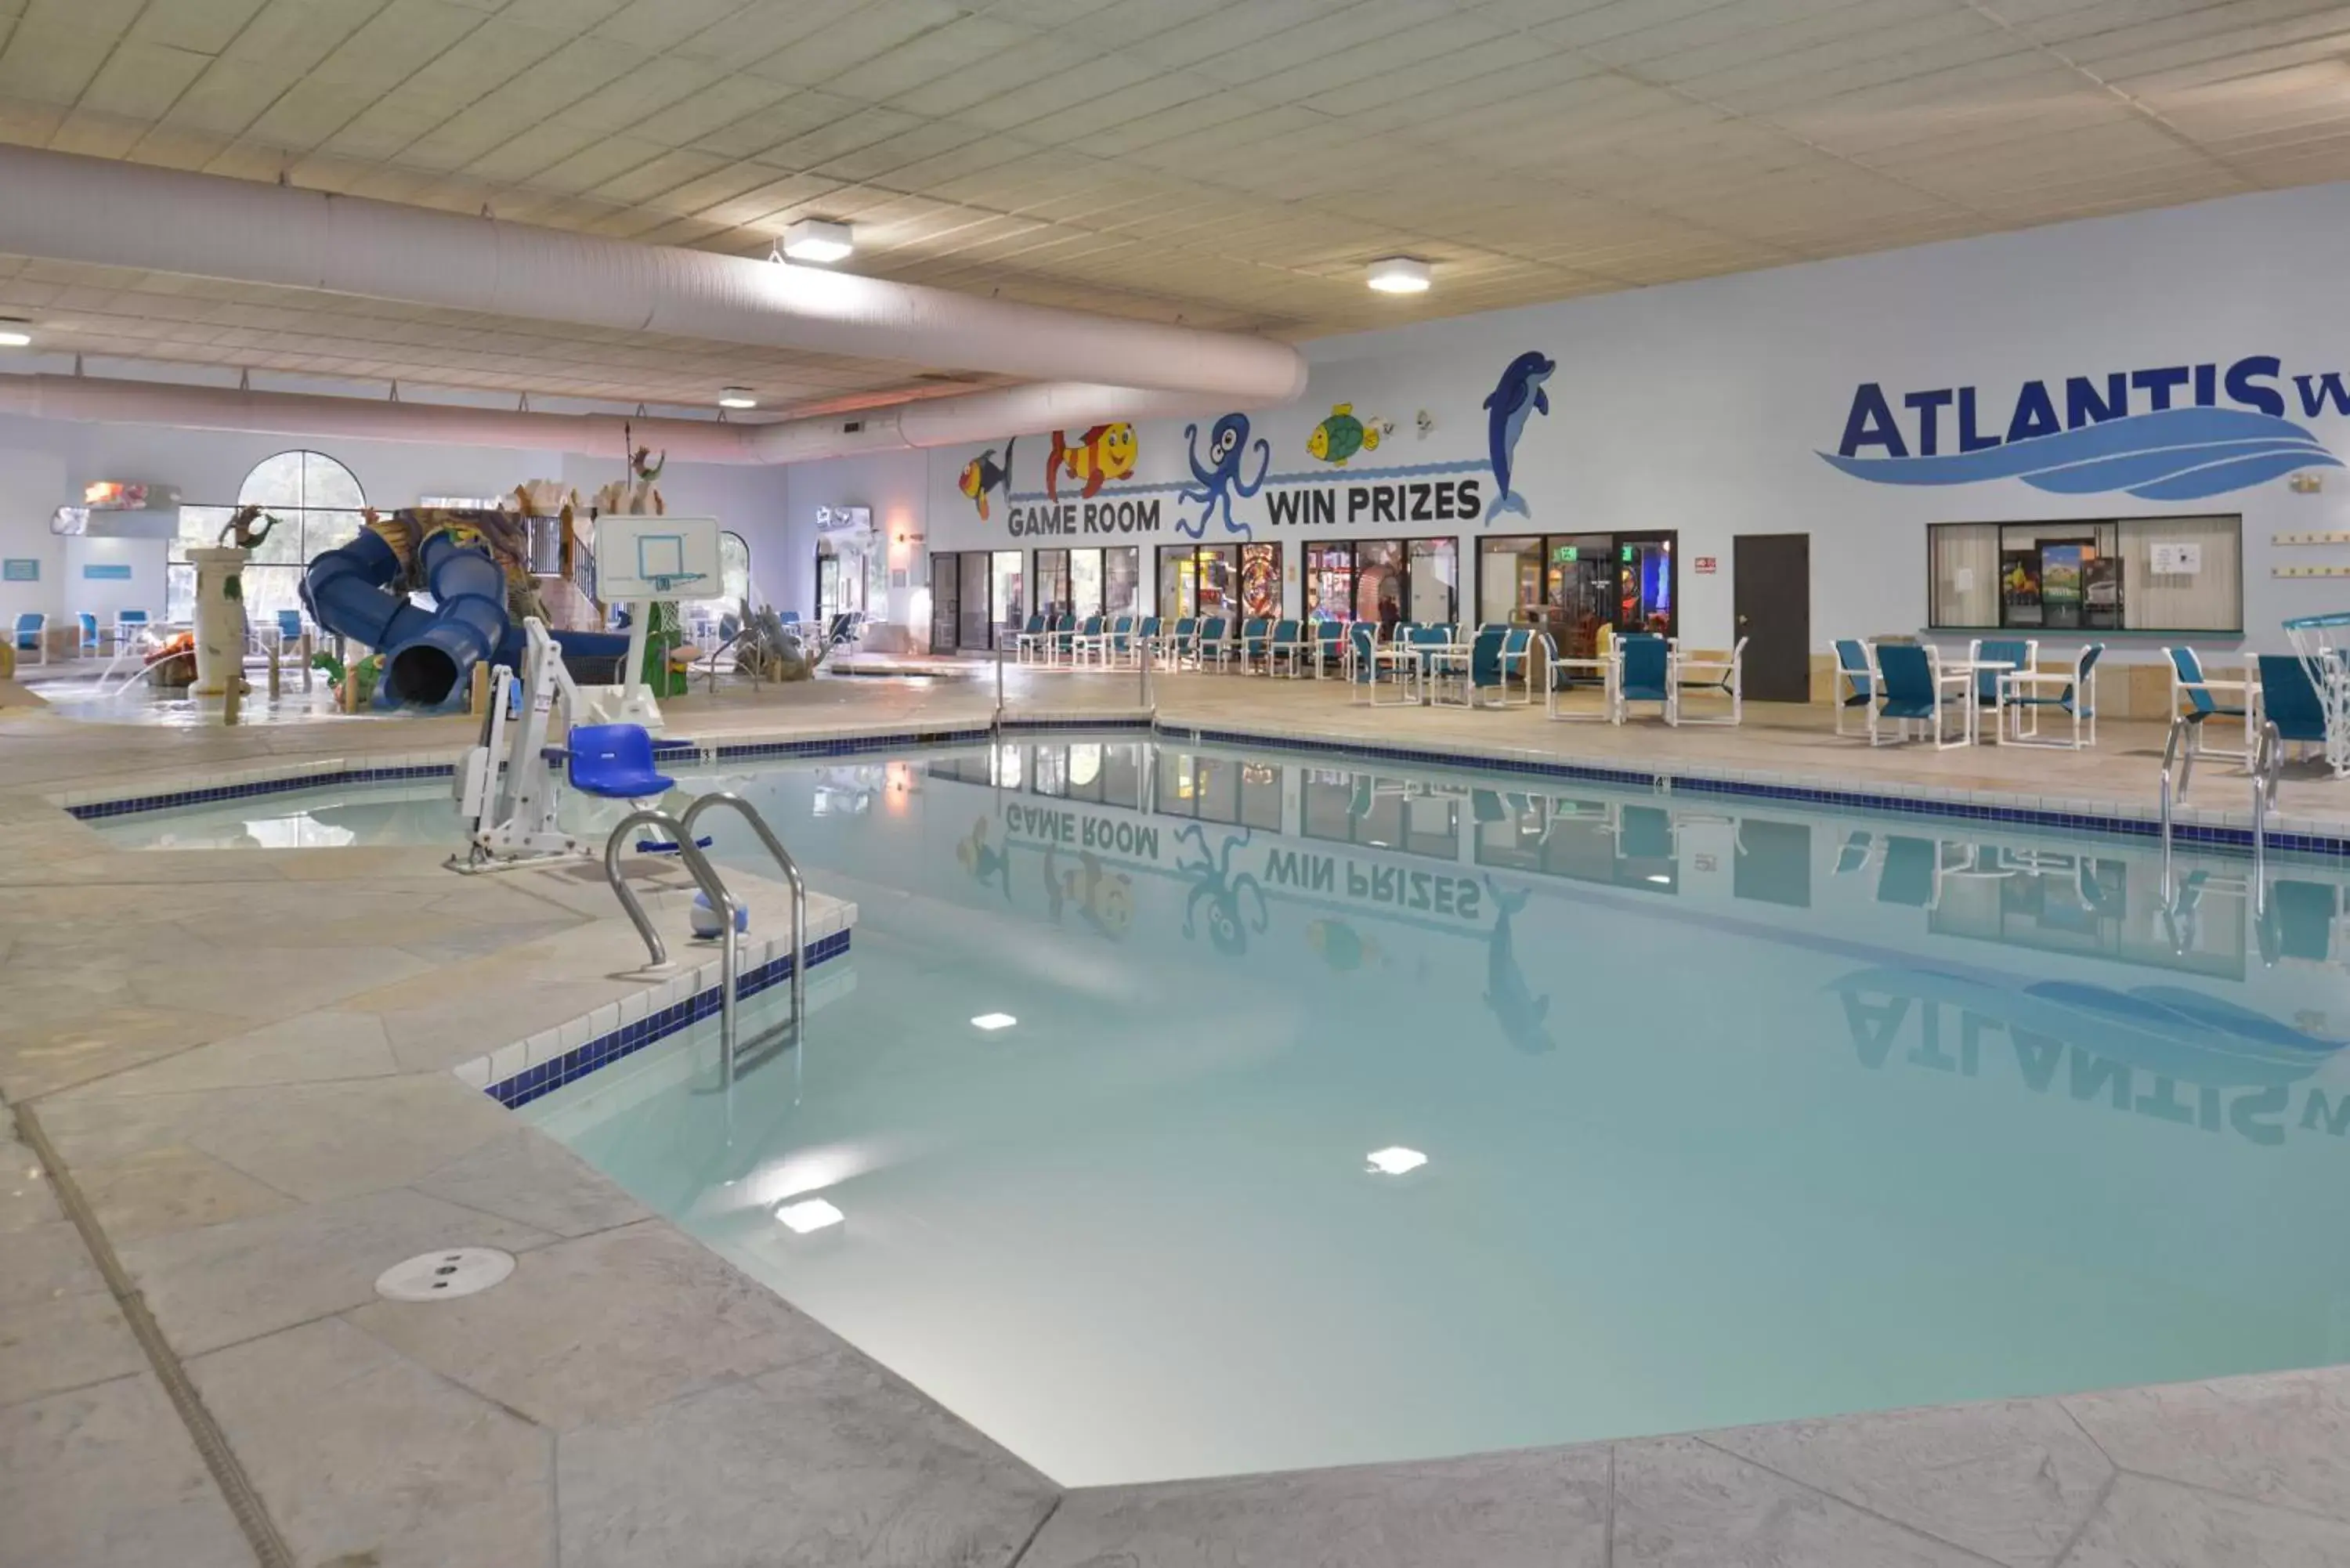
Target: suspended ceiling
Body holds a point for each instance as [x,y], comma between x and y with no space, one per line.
[1232,163]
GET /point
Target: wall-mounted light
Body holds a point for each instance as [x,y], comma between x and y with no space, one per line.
[737,397]
[16,332]
[818,240]
[1399,274]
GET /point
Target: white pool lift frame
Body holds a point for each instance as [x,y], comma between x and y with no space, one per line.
[2322,642]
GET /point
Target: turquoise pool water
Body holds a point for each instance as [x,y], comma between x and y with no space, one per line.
[1354,1114]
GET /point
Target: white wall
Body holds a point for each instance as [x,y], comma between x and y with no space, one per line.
[1704,407]
[45,464]
[895,485]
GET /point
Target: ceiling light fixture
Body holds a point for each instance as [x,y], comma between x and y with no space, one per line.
[818,240]
[991,1022]
[736,398]
[15,334]
[1399,275]
[808,1214]
[1397,1161]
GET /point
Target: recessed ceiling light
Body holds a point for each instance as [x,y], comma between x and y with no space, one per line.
[14,333]
[1399,275]
[991,1022]
[1396,1161]
[736,398]
[818,240]
[809,1214]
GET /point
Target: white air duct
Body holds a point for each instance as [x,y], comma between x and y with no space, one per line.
[63,207]
[941,422]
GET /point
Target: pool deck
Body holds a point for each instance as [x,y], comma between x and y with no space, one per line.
[241,1062]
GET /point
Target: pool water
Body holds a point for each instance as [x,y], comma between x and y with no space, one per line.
[1352,1113]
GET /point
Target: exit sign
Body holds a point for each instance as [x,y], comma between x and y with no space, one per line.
[1705,565]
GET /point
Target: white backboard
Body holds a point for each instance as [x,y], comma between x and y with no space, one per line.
[656,559]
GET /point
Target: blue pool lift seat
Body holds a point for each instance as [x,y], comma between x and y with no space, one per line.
[615,762]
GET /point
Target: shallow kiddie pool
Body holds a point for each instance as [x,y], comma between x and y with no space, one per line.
[1197,1112]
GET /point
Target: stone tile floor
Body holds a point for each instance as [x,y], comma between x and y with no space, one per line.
[241,1061]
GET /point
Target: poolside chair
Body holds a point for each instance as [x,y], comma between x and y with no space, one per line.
[1029,641]
[2288,700]
[1645,674]
[1084,639]
[1723,677]
[88,624]
[1487,670]
[1181,642]
[1147,633]
[1328,651]
[2026,690]
[2023,653]
[1854,854]
[1362,669]
[32,636]
[1912,689]
[1117,640]
[1912,876]
[1516,657]
[615,762]
[1855,670]
[2205,703]
[1290,644]
[126,623]
[1256,645]
[1215,642]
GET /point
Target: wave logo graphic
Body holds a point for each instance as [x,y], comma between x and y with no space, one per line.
[2170,454]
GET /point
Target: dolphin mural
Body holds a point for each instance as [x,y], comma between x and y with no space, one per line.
[1520,1012]
[1517,394]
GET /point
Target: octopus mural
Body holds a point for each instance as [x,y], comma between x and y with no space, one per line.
[1215,481]
[1213,883]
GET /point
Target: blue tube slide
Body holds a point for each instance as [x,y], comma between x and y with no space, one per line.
[428,654]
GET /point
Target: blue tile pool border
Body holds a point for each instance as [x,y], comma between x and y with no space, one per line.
[547,1077]
[2209,835]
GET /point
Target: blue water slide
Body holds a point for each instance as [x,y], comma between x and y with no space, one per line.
[428,654]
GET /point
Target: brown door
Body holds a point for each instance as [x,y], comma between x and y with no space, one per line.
[1771,586]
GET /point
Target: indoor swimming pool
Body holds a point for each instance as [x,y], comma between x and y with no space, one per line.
[1196,1112]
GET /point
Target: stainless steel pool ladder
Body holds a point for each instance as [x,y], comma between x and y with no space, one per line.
[721,899]
[2267,765]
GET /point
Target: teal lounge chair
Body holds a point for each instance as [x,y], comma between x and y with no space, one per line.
[1256,645]
[2022,653]
[1912,689]
[2208,699]
[1215,641]
[1030,640]
[1290,645]
[32,636]
[2028,692]
[1723,678]
[1362,670]
[1329,647]
[1858,675]
[2289,701]
[1645,662]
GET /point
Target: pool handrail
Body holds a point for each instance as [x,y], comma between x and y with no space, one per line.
[791,871]
[714,888]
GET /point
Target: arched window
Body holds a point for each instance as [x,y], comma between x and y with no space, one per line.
[316,502]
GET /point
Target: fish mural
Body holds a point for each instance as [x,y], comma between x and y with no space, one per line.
[1344,434]
[1520,1012]
[1102,453]
[1103,898]
[983,473]
[984,862]
[1343,948]
[1518,394]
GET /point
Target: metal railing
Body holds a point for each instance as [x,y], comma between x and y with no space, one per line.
[791,871]
[2265,765]
[721,899]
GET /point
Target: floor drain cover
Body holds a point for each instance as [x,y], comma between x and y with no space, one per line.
[437,1276]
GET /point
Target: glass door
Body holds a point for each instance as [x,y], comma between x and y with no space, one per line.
[1083,596]
[944,582]
[1330,582]
[1647,583]
[1006,585]
[1121,580]
[1434,580]
[1052,582]
[1261,580]
[974,617]
[1581,591]
[827,589]
[1217,570]
[1178,594]
[1379,583]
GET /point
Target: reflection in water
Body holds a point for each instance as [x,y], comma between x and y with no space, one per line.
[1729,1114]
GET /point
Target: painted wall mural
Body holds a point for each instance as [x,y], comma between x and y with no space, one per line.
[983,476]
[1516,396]
[1102,453]
[1220,478]
[2165,450]
[1344,434]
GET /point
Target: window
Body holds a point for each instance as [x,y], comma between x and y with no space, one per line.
[1122,579]
[1572,585]
[1434,580]
[1084,583]
[1197,579]
[317,501]
[2130,574]
[1052,582]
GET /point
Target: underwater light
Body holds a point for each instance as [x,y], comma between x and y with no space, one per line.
[991,1022]
[809,1214]
[1396,1161]
[1399,275]
[1660,879]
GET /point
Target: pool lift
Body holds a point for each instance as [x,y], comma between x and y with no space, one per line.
[509,793]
